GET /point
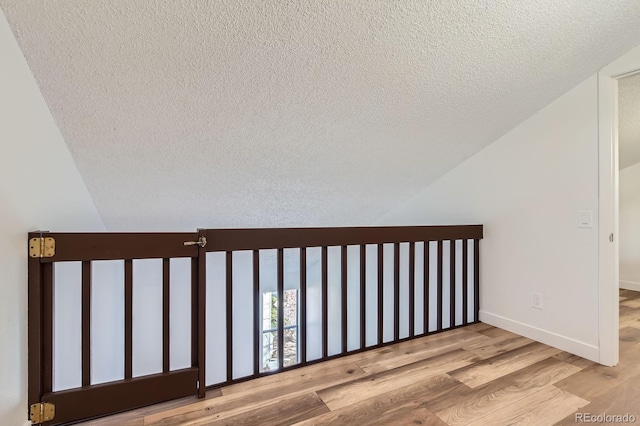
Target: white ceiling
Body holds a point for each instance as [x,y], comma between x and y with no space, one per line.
[197,113]
[629,120]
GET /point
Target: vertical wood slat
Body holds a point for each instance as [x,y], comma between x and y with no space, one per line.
[202,316]
[86,323]
[363,297]
[412,289]
[476,279]
[325,319]
[47,321]
[465,277]
[343,297]
[426,286]
[257,329]
[380,294]
[396,291]
[303,304]
[128,318]
[280,273]
[439,309]
[166,324]
[229,313]
[452,283]
[35,331]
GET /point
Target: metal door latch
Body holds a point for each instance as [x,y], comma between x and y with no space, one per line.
[202,241]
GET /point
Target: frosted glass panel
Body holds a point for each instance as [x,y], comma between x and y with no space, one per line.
[334,300]
[67,320]
[419,289]
[216,343]
[147,317]
[433,287]
[372,294]
[180,314]
[388,310]
[353,297]
[107,321]
[314,304]
[446,289]
[404,290]
[242,275]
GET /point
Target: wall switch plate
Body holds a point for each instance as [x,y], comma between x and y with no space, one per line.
[537,301]
[585,219]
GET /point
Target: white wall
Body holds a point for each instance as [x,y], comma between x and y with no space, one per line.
[527,189]
[630,227]
[40,188]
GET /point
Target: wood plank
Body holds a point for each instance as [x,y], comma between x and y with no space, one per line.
[497,345]
[279,413]
[248,398]
[479,327]
[437,345]
[542,408]
[572,359]
[399,406]
[631,303]
[501,365]
[597,380]
[358,390]
[620,400]
[466,405]
[629,294]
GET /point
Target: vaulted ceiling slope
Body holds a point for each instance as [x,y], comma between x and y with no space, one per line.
[191,113]
[629,120]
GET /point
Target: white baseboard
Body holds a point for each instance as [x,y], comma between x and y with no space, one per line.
[576,347]
[630,285]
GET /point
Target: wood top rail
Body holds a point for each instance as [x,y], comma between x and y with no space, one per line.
[115,246]
[275,238]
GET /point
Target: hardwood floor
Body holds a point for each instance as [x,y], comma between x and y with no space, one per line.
[477,375]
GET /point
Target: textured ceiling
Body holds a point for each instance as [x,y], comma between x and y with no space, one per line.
[629,120]
[279,113]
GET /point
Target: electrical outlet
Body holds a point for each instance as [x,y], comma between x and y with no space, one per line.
[537,301]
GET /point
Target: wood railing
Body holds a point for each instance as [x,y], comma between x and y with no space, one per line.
[392,283]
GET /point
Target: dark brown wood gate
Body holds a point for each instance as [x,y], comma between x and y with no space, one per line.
[92,400]
[445,257]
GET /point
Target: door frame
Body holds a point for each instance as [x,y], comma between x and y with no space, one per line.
[608,252]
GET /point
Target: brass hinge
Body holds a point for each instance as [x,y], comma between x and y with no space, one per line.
[42,247]
[42,412]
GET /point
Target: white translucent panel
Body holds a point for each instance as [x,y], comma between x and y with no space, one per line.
[471,277]
[419,289]
[147,317]
[268,275]
[291,300]
[242,313]
[216,340]
[371,295]
[180,313]
[433,286]
[458,283]
[314,304]
[107,321]
[334,300]
[404,290]
[387,293]
[67,325]
[353,297]
[291,273]
[446,288]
